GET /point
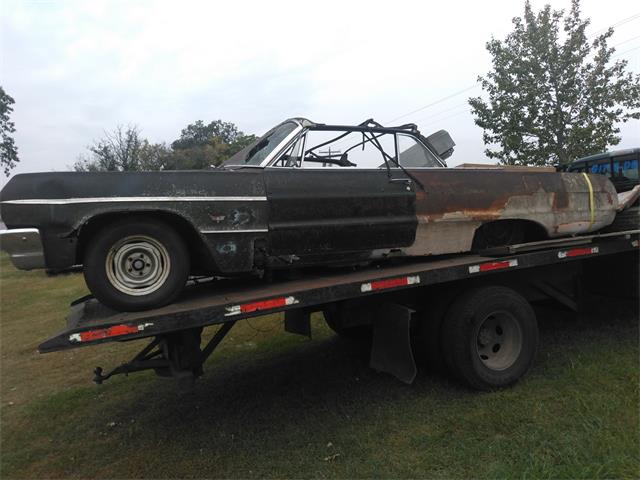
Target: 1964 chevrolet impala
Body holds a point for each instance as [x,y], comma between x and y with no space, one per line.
[303,194]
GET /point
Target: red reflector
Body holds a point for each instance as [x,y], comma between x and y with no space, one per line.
[261,305]
[390,283]
[114,331]
[485,267]
[264,305]
[576,252]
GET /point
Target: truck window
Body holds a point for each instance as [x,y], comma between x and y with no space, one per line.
[602,167]
[626,167]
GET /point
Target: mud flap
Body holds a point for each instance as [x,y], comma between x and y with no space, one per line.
[391,347]
[298,321]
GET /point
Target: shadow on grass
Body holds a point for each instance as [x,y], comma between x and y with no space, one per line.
[316,409]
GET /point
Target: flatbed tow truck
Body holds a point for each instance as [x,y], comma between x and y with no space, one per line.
[470,312]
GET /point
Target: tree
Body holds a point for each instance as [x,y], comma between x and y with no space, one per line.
[8,149]
[204,145]
[553,95]
[123,149]
[198,134]
[199,147]
[154,156]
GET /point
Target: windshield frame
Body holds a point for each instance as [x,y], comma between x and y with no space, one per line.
[233,161]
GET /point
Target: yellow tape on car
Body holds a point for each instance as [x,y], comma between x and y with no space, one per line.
[592,210]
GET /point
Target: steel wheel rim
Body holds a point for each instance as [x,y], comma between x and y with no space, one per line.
[499,340]
[137,265]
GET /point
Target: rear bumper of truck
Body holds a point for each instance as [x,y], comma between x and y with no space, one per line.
[24,247]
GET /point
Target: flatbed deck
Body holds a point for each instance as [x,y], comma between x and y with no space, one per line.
[223,301]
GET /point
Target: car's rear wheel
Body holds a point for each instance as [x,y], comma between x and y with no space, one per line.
[497,234]
[136,264]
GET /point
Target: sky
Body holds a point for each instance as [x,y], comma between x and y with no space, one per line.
[78,69]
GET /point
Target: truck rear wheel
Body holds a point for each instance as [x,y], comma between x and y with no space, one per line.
[427,340]
[489,337]
[136,264]
[335,321]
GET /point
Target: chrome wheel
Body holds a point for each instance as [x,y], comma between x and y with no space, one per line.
[137,265]
[499,340]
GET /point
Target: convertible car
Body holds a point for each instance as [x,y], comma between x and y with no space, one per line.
[303,194]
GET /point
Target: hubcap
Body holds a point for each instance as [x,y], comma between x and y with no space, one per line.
[499,340]
[137,265]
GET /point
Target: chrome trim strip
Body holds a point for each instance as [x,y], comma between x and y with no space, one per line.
[19,231]
[255,230]
[67,201]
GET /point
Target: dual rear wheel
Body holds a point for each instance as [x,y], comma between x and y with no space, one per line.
[489,337]
[486,337]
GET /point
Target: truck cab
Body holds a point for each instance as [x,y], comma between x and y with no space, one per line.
[621,166]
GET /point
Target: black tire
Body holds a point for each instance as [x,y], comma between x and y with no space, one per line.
[427,346]
[489,337]
[498,234]
[153,246]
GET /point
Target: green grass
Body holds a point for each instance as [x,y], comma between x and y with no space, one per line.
[273,404]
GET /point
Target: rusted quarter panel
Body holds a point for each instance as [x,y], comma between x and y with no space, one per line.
[458,201]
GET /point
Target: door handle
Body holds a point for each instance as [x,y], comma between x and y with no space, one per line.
[401,180]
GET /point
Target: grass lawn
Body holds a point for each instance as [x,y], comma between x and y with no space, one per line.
[273,404]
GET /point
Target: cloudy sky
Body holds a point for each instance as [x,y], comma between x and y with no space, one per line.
[76,69]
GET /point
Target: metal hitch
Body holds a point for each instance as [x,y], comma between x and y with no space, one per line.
[177,355]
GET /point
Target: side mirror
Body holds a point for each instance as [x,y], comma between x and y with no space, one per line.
[441,143]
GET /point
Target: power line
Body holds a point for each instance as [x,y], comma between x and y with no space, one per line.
[436,102]
[625,41]
[437,120]
[626,51]
[466,110]
[435,115]
[617,24]
[471,87]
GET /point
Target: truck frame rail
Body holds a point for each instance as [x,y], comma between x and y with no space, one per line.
[224,302]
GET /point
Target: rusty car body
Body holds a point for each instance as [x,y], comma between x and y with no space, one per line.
[303,194]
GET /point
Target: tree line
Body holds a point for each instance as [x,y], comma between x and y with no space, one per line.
[199,146]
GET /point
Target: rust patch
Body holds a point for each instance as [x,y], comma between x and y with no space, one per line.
[487,194]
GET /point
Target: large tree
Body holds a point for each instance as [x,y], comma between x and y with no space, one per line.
[8,149]
[553,95]
[204,145]
[123,149]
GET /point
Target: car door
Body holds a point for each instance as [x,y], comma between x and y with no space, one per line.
[317,209]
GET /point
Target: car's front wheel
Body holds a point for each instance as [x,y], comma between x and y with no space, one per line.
[136,264]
